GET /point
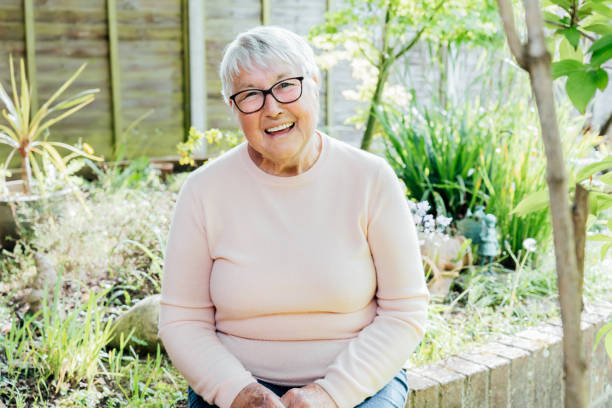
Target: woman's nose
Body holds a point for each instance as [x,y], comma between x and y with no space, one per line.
[271,106]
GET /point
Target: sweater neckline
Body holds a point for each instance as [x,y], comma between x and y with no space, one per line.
[301,178]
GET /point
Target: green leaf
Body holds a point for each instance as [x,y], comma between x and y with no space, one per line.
[600,238]
[601,56]
[594,168]
[580,87]
[601,29]
[606,178]
[609,345]
[599,201]
[564,4]
[572,34]
[551,17]
[601,78]
[566,67]
[605,249]
[603,42]
[602,9]
[601,333]
[601,50]
[533,202]
[566,51]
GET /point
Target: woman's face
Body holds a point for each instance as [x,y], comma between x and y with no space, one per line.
[279,132]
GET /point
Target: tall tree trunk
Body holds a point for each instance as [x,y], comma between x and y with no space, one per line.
[383,74]
[535,59]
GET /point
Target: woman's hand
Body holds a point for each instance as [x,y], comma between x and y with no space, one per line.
[311,395]
[256,396]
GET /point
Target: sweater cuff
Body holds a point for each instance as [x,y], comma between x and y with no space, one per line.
[228,392]
[342,398]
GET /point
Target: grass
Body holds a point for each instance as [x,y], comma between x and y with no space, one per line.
[113,258]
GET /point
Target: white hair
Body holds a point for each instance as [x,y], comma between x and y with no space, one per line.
[263,47]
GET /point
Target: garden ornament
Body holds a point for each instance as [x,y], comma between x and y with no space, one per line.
[471,225]
[489,243]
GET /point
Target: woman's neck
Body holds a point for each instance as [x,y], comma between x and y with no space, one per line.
[291,167]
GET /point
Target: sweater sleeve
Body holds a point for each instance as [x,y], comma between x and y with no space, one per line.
[375,356]
[187,319]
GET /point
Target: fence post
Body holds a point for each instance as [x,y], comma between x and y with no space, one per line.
[115,84]
[30,43]
[329,88]
[265,12]
[196,44]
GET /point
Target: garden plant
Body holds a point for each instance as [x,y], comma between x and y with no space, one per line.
[452,151]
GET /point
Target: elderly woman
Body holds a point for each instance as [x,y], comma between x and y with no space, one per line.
[293,276]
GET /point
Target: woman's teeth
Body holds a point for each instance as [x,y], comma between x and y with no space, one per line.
[279,128]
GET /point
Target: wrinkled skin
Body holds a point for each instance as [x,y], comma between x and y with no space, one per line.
[257,396]
[309,396]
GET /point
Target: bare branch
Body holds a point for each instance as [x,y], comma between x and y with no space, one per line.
[517,49]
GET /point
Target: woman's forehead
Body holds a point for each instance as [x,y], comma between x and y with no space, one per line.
[263,77]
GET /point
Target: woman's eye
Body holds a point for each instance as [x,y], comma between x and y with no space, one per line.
[286,84]
[248,95]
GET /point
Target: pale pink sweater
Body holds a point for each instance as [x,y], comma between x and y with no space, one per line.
[316,277]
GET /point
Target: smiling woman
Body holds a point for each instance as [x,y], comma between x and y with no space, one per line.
[293,276]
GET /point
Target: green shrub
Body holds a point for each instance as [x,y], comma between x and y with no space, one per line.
[463,156]
[63,349]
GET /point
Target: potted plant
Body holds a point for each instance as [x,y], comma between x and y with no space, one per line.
[44,171]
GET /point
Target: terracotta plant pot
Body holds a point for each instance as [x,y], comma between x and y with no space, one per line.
[442,259]
[8,210]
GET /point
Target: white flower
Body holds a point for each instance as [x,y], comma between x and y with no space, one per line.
[423,207]
[443,221]
[470,172]
[530,244]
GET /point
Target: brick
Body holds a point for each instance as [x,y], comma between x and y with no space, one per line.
[476,385]
[521,374]
[523,343]
[603,309]
[539,366]
[423,391]
[451,385]
[499,375]
[552,328]
[590,317]
[552,359]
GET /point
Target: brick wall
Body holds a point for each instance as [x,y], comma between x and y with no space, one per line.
[524,370]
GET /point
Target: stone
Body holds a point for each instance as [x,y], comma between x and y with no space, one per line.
[540,364]
[499,375]
[143,319]
[423,391]
[476,384]
[451,384]
[522,387]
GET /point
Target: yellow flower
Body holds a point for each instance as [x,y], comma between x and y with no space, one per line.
[88,149]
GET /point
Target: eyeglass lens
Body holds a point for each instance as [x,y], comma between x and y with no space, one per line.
[284,92]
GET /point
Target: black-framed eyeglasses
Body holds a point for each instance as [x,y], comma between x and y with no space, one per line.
[284,91]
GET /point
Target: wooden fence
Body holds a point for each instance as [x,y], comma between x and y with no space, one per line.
[137,55]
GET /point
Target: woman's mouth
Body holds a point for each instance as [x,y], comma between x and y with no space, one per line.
[280,129]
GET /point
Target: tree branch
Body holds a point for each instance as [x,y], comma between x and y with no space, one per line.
[554,23]
[580,213]
[419,33]
[516,48]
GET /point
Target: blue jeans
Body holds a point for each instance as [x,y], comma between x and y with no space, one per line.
[392,395]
